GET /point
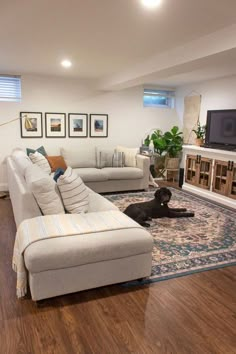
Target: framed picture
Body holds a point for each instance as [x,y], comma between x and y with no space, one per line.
[55,124]
[31,124]
[78,125]
[98,125]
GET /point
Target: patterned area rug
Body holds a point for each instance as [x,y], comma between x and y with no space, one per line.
[187,245]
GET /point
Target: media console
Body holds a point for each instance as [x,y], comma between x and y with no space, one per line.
[210,173]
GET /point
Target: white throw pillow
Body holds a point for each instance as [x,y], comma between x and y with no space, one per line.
[73,191]
[21,160]
[41,161]
[45,190]
[130,155]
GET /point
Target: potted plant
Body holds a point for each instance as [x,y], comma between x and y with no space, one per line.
[160,148]
[200,132]
[174,141]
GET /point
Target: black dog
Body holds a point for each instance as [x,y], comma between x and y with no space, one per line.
[155,208]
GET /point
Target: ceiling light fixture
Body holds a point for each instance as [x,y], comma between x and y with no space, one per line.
[151,4]
[66,63]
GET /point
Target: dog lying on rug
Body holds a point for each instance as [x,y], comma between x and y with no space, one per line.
[155,208]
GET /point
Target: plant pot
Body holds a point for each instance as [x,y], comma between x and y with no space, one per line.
[198,141]
[172,163]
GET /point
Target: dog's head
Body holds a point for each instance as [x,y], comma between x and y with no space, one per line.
[163,195]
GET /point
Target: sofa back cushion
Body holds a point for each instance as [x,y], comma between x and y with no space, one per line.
[130,155]
[79,157]
[21,160]
[45,190]
[73,191]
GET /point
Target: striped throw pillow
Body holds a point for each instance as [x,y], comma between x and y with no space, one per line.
[73,191]
[41,161]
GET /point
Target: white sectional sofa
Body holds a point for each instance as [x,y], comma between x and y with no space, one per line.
[63,265]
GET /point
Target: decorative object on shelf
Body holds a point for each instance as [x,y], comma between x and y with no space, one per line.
[98,125]
[200,132]
[55,124]
[192,105]
[31,124]
[77,125]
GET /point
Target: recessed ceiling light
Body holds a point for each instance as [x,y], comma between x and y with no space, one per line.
[151,4]
[66,63]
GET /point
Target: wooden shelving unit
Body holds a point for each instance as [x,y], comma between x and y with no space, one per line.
[210,173]
[198,171]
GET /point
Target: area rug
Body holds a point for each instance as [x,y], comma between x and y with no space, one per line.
[187,245]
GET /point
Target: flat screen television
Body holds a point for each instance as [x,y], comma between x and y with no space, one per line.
[221,129]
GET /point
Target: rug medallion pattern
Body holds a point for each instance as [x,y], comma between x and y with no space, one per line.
[187,245]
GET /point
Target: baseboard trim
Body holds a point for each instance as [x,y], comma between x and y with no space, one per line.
[3,187]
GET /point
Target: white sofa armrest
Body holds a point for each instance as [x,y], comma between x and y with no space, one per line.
[143,162]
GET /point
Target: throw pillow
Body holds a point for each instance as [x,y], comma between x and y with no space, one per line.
[104,157]
[56,162]
[45,190]
[58,173]
[41,161]
[118,159]
[130,155]
[41,150]
[73,191]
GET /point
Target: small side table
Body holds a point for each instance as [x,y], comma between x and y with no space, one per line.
[151,179]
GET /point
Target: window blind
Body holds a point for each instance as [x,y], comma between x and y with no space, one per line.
[10,88]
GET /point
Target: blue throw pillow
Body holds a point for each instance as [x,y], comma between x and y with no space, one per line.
[58,173]
[41,150]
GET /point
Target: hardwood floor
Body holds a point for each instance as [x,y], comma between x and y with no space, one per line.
[193,314]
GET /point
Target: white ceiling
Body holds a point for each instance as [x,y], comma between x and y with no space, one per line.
[118,42]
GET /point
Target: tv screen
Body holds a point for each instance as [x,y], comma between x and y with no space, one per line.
[221,129]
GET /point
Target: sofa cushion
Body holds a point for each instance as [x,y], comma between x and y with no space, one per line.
[71,251]
[21,160]
[56,162]
[118,159]
[41,161]
[41,150]
[45,190]
[123,172]
[73,191]
[104,157]
[91,174]
[130,155]
[80,157]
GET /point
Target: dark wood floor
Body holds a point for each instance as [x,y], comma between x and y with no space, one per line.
[192,314]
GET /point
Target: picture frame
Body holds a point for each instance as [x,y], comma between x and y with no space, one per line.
[31,124]
[55,125]
[98,125]
[78,125]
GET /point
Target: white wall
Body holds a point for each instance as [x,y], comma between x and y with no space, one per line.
[128,120]
[216,94]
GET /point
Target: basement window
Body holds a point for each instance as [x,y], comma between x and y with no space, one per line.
[10,88]
[158,98]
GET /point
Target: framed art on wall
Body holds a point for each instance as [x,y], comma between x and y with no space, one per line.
[55,125]
[31,124]
[98,125]
[78,125]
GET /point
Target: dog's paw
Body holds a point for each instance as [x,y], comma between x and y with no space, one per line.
[145,224]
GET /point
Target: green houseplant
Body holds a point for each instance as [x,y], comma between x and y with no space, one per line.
[200,132]
[167,146]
